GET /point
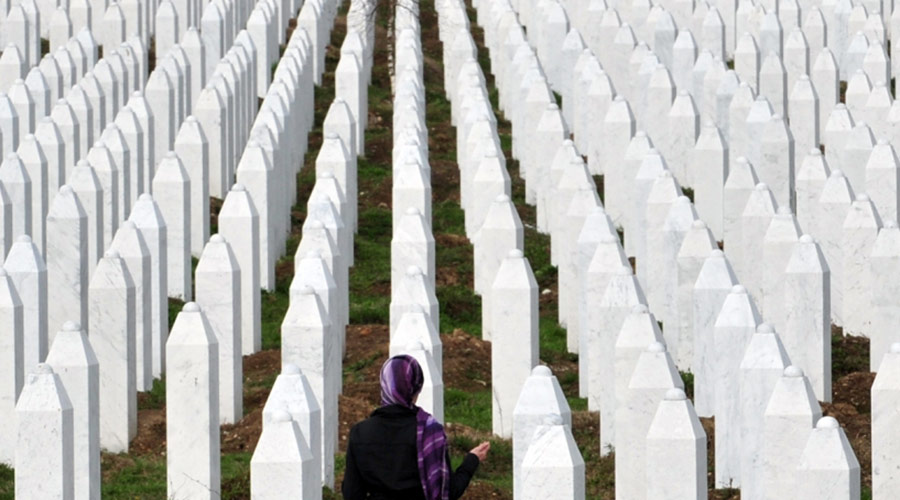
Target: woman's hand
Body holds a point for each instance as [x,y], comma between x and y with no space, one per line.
[481,450]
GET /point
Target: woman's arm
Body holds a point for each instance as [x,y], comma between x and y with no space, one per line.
[459,479]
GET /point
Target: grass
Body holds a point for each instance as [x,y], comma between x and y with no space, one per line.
[7,486]
[472,409]
[175,306]
[155,398]
[356,369]
[447,216]
[460,309]
[847,354]
[273,306]
[142,477]
[145,477]
[373,268]
[236,475]
[688,379]
[497,470]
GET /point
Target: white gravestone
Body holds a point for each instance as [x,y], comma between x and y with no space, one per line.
[778,244]
[790,415]
[811,177]
[807,323]
[654,375]
[17,184]
[282,463]
[608,259]
[676,450]
[740,183]
[111,329]
[515,341]
[149,221]
[859,232]
[309,343]
[73,360]
[171,189]
[553,464]
[412,244]
[834,204]
[192,148]
[44,444]
[12,375]
[540,398]
[755,221]
[734,326]
[292,393]
[639,330]
[218,288]
[883,263]
[130,245]
[885,398]
[714,282]
[32,156]
[828,468]
[239,225]
[709,167]
[883,180]
[695,249]
[597,227]
[67,261]
[192,408]
[762,366]
[254,172]
[28,274]
[83,180]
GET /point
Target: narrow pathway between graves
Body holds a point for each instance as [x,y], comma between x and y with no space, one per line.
[467,361]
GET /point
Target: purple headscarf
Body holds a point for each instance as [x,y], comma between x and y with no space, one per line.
[401,382]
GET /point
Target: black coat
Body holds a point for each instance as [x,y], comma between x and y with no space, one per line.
[382,459]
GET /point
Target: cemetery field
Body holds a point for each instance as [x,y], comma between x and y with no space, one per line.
[466,371]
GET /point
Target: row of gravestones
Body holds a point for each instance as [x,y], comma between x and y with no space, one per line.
[880,176]
[302,409]
[853,151]
[414,308]
[103,405]
[527,404]
[617,297]
[863,200]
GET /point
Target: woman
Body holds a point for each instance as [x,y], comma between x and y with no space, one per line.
[400,452]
